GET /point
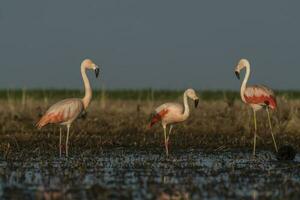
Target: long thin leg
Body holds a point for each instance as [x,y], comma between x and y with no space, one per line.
[170,129]
[60,134]
[166,144]
[67,140]
[270,124]
[255,131]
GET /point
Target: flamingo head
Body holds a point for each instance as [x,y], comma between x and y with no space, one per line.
[89,64]
[242,64]
[192,94]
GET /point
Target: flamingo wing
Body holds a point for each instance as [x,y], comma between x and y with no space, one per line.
[262,95]
[61,112]
[164,110]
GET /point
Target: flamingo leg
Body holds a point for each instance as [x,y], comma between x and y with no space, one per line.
[255,131]
[270,124]
[67,140]
[60,134]
[171,127]
[166,143]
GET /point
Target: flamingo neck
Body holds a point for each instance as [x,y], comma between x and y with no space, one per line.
[244,84]
[87,88]
[186,112]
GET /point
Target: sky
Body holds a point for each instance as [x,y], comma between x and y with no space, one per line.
[160,44]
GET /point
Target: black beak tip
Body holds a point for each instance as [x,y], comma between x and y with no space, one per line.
[196,103]
[237,75]
[97,72]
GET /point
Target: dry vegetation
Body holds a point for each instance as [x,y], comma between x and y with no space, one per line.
[31,169]
[215,125]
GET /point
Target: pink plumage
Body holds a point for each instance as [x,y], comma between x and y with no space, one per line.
[157,117]
[257,96]
[65,111]
[260,95]
[172,113]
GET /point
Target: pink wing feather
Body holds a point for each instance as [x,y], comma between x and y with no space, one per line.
[61,112]
[259,94]
[158,117]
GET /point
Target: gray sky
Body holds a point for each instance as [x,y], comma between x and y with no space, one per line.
[160,44]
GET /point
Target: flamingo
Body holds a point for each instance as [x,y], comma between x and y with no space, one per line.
[257,97]
[66,111]
[172,113]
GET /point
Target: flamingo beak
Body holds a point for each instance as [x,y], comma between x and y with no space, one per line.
[196,102]
[237,74]
[97,72]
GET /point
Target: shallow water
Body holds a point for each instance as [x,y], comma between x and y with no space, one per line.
[127,174]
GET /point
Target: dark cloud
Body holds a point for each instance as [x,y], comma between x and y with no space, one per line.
[160,44]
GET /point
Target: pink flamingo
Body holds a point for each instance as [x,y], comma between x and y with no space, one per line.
[66,111]
[172,113]
[257,97]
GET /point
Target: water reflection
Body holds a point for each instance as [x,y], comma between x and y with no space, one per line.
[124,174]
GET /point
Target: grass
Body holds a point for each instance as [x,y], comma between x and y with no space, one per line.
[145,94]
[96,168]
[119,119]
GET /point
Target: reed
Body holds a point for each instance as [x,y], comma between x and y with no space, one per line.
[224,123]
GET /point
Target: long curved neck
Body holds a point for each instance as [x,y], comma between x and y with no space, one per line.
[87,88]
[186,112]
[244,84]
